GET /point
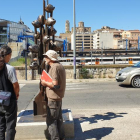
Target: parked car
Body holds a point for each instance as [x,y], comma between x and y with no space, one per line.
[130,76]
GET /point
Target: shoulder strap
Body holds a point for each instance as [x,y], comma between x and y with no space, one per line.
[3,78]
[1,62]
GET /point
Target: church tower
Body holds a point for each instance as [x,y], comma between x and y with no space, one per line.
[67,26]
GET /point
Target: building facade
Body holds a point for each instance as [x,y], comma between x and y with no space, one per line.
[84,38]
[103,40]
[84,41]
[81,28]
[9,31]
[132,36]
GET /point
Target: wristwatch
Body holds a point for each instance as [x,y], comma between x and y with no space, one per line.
[55,86]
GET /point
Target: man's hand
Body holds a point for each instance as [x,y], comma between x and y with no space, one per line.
[43,83]
[16,89]
[49,84]
[17,95]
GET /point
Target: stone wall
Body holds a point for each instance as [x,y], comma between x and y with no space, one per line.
[95,71]
[16,48]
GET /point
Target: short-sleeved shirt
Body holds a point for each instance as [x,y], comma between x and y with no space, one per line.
[11,73]
[57,72]
[7,78]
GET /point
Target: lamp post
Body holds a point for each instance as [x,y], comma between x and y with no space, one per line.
[74,44]
[138,43]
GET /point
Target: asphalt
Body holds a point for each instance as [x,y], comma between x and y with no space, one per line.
[101,124]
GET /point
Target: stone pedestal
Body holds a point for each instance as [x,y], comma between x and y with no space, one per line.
[33,127]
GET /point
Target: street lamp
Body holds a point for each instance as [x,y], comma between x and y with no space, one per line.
[74,44]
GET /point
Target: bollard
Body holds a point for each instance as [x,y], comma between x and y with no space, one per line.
[130,60]
[97,61]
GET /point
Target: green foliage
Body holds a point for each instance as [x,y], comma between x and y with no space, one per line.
[84,74]
[20,62]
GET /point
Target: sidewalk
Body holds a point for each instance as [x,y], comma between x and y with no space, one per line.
[71,80]
[98,124]
[112,124]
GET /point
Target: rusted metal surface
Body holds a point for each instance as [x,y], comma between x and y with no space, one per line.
[43,30]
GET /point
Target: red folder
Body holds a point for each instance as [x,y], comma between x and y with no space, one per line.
[45,76]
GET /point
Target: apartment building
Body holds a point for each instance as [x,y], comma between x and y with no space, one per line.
[84,41]
[105,29]
[132,36]
[103,40]
[9,31]
[84,36]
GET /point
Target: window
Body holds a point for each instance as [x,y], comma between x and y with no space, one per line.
[86,44]
[86,36]
[78,39]
[3,38]
[3,30]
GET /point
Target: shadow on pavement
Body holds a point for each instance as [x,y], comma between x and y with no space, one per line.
[125,86]
[97,133]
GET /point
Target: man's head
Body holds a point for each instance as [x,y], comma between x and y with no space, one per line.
[6,53]
[51,56]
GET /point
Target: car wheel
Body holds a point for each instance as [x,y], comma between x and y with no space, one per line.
[136,82]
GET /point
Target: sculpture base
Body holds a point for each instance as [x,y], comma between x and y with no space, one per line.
[34,127]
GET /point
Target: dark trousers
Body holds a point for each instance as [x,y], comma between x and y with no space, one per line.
[55,121]
[8,118]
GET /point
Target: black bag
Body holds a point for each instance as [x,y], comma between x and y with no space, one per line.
[5,98]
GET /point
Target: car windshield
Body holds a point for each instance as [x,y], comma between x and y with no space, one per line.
[137,64]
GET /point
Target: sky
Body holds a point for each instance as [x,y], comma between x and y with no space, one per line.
[119,14]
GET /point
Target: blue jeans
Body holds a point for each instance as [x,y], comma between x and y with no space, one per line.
[55,121]
[8,118]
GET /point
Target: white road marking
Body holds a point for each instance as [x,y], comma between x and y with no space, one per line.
[22,85]
[31,124]
[20,114]
[75,86]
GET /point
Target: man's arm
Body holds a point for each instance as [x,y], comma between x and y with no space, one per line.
[16,89]
[49,84]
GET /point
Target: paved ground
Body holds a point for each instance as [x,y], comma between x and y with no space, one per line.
[101,108]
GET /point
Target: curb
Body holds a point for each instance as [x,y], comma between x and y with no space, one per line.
[72,80]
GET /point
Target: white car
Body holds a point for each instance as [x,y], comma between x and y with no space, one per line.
[129,75]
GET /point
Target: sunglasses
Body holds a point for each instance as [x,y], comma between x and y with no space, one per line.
[46,56]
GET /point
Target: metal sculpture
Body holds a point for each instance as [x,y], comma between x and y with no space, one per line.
[44,38]
[50,21]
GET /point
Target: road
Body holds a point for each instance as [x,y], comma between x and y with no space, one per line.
[101,95]
[97,95]
[27,93]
